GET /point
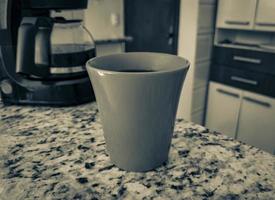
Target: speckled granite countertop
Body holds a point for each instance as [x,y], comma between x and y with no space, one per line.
[59,153]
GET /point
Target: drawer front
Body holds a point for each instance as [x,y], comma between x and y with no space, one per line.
[251,81]
[245,59]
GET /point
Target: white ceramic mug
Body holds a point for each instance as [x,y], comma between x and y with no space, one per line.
[137,95]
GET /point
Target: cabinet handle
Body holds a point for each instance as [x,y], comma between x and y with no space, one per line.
[228,93]
[246,59]
[265,24]
[256,101]
[243,80]
[231,22]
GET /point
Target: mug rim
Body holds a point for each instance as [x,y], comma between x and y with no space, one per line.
[184,66]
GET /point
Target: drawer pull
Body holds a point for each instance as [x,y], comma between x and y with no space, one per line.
[231,22]
[265,24]
[243,80]
[228,93]
[256,101]
[248,60]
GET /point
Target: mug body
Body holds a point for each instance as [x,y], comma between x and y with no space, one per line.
[137,95]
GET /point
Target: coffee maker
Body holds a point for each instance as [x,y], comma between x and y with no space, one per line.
[42,58]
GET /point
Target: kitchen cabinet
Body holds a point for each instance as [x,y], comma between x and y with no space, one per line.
[243,115]
[223,108]
[265,16]
[237,14]
[257,121]
[196,25]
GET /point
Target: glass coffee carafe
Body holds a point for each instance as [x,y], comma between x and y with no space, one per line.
[61,48]
[71,46]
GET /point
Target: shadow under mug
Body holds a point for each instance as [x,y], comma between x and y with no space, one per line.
[137,96]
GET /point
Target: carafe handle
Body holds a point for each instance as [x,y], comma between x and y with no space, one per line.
[27,62]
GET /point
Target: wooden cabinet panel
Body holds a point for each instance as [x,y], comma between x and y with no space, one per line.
[199,97]
[245,59]
[206,18]
[197,117]
[238,14]
[223,108]
[257,121]
[201,74]
[204,47]
[265,16]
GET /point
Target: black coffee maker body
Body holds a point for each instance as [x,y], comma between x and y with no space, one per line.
[43,58]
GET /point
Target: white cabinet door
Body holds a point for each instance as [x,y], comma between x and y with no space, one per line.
[265,16]
[223,108]
[236,14]
[257,121]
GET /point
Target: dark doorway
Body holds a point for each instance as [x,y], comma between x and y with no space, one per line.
[153,24]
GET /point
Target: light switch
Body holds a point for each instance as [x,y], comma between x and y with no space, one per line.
[114,18]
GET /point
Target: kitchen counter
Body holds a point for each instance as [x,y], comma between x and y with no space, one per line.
[59,153]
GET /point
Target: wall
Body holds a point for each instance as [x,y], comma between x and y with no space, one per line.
[105,18]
